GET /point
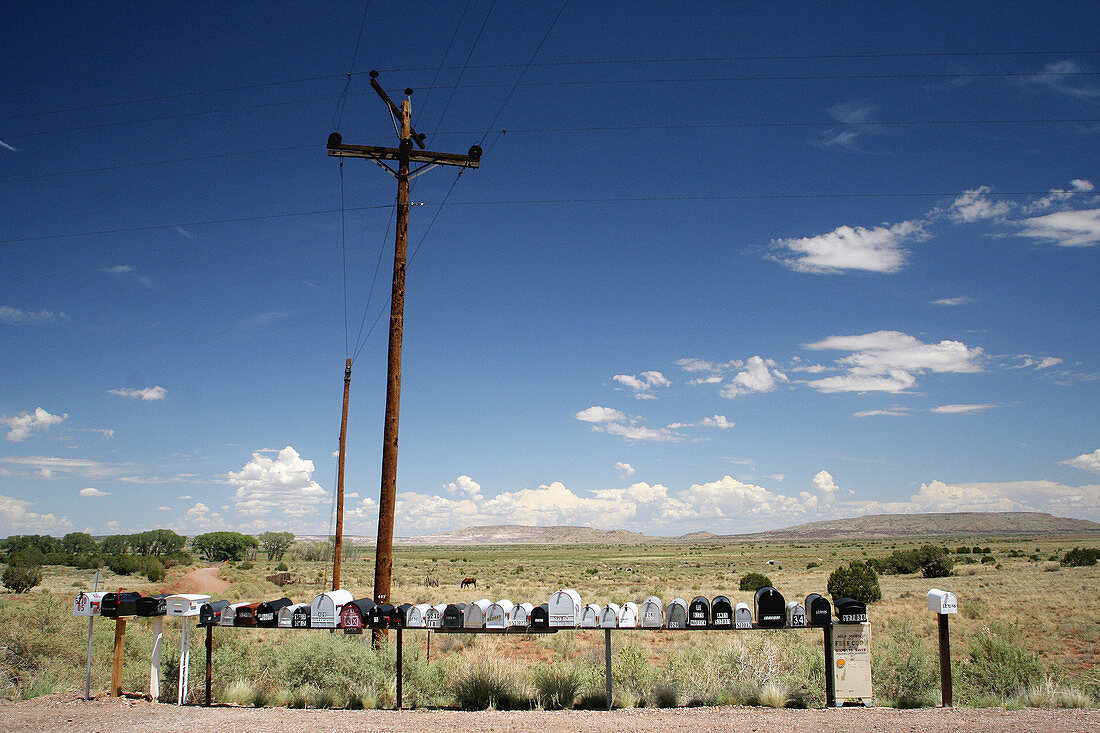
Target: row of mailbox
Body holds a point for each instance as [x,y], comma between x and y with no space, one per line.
[338,609]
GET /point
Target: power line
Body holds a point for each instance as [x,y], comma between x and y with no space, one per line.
[338,115]
[525,202]
[609,62]
[443,60]
[470,55]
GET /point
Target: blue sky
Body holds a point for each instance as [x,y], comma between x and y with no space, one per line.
[730,268]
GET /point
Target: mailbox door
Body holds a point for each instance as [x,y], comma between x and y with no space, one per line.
[721,612]
[698,613]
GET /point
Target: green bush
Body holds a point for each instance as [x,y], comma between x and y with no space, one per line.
[938,568]
[753,582]
[1080,557]
[281,567]
[485,683]
[557,686]
[905,670]
[997,666]
[21,577]
[859,581]
[124,564]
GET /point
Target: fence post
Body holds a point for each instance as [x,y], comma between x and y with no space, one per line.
[830,683]
[209,661]
[399,667]
[607,663]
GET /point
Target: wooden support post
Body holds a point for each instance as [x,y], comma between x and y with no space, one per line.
[830,682]
[945,661]
[116,665]
[399,667]
[209,662]
[154,662]
[338,540]
[607,664]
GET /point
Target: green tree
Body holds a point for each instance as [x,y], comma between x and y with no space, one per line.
[754,581]
[1080,557]
[116,544]
[157,542]
[217,546]
[275,544]
[859,581]
[79,543]
[21,577]
[41,542]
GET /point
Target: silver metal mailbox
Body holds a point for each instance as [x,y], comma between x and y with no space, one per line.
[942,601]
[498,614]
[433,617]
[474,614]
[186,604]
[324,610]
[609,616]
[652,613]
[590,616]
[520,615]
[796,615]
[628,617]
[414,619]
[229,614]
[286,614]
[676,614]
[565,609]
[742,616]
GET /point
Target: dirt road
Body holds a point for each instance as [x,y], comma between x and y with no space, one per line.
[68,712]
[203,580]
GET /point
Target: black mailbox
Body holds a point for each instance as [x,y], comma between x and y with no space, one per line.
[818,610]
[850,611]
[152,605]
[453,615]
[267,613]
[721,613]
[771,609]
[300,618]
[379,616]
[211,613]
[115,605]
[540,617]
[698,613]
[399,616]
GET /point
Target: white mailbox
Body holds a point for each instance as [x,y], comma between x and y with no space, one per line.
[498,614]
[229,614]
[652,613]
[742,616]
[628,618]
[286,614]
[590,616]
[520,615]
[676,614]
[942,601]
[796,615]
[565,609]
[609,616]
[185,604]
[433,617]
[852,663]
[324,610]
[87,604]
[414,619]
[473,616]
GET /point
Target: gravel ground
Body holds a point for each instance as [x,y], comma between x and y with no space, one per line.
[106,714]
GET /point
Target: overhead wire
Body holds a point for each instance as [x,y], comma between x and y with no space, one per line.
[442,60]
[470,55]
[341,102]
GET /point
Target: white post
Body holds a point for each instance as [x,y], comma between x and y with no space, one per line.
[154,669]
[88,675]
[185,664]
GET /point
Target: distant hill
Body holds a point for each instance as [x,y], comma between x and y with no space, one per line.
[946,524]
[519,534]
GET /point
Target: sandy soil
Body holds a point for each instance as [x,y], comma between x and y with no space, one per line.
[203,580]
[69,712]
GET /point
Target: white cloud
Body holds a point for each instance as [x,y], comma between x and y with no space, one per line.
[164,508]
[961,409]
[147,393]
[637,432]
[643,384]
[1086,461]
[93,492]
[596,414]
[950,302]
[1080,228]
[1064,77]
[19,317]
[1012,496]
[886,361]
[826,487]
[893,412]
[758,376]
[285,484]
[16,519]
[201,517]
[717,421]
[22,425]
[878,249]
[125,271]
[466,487]
[6,146]
[975,205]
[625,469]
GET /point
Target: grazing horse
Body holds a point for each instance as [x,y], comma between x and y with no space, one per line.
[469,581]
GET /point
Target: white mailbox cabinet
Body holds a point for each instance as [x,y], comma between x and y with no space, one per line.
[324,610]
[87,604]
[742,616]
[565,609]
[942,601]
[185,604]
[852,663]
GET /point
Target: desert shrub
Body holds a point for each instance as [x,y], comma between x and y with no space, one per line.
[812,564]
[557,686]
[1051,693]
[753,582]
[281,567]
[631,671]
[1080,557]
[941,567]
[152,568]
[904,562]
[999,667]
[245,565]
[665,695]
[988,560]
[859,581]
[123,564]
[904,669]
[774,695]
[483,682]
[21,577]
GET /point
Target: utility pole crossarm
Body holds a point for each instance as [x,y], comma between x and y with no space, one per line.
[338,149]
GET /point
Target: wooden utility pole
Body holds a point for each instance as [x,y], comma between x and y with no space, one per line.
[338,542]
[404,155]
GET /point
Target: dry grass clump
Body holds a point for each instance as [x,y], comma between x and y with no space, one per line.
[482,682]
